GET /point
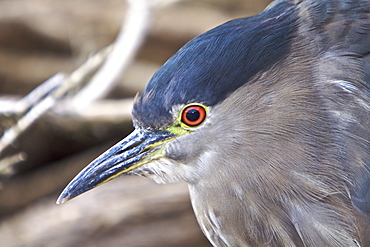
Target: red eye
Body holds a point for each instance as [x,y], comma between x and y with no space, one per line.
[193,115]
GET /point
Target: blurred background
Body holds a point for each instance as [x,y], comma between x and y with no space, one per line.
[40,38]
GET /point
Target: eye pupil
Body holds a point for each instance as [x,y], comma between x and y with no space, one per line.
[193,115]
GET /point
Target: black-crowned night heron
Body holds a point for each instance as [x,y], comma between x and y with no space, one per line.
[267,120]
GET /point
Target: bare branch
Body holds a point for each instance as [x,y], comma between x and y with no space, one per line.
[42,106]
[7,164]
[22,105]
[78,76]
[116,58]
[126,45]
[36,111]
[22,124]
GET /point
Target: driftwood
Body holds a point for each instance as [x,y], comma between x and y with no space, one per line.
[51,134]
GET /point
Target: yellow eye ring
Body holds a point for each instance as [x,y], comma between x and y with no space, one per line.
[193,115]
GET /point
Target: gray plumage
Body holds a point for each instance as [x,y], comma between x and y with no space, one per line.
[283,157]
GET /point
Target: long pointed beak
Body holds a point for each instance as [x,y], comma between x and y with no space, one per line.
[137,149]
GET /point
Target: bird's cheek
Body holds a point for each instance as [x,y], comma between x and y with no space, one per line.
[183,150]
[174,152]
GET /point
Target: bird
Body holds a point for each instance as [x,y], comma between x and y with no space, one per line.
[266,118]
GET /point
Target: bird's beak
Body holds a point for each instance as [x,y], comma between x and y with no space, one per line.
[137,149]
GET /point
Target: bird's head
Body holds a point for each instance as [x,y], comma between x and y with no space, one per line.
[191,109]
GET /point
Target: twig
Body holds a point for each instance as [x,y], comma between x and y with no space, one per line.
[125,46]
[78,76]
[42,106]
[22,105]
[7,164]
[120,54]
[36,111]
[22,124]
